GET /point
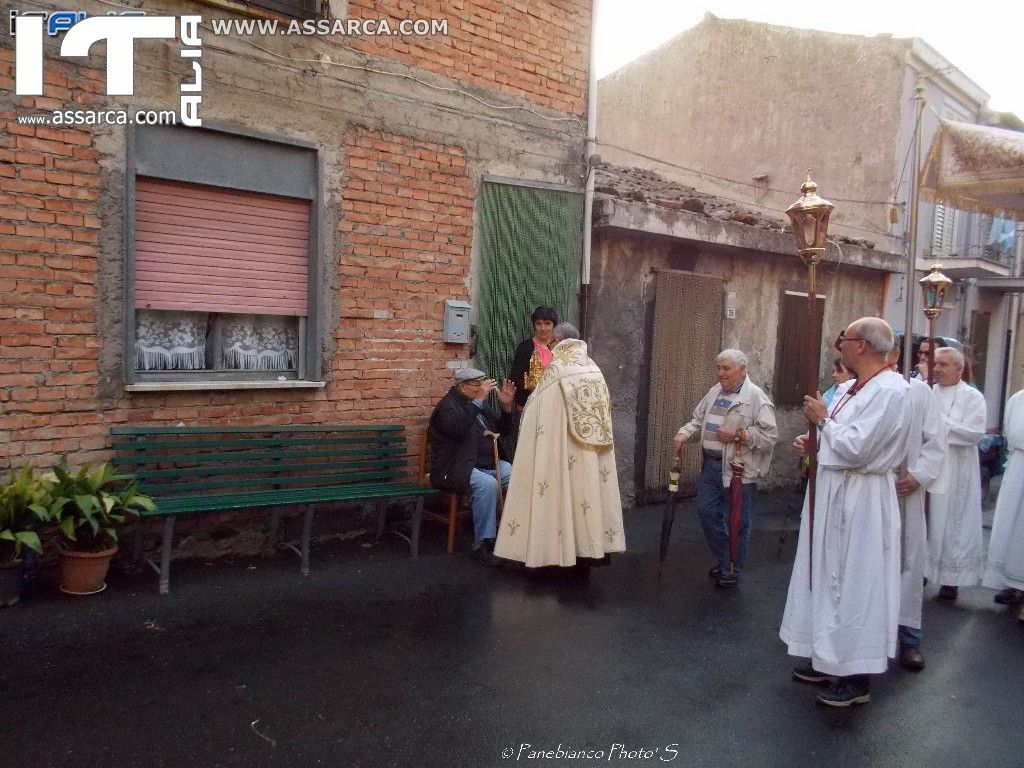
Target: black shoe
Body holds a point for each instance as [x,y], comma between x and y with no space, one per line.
[844,693]
[484,555]
[805,673]
[727,581]
[715,573]
[1009,596]
[911,658]
[948,593]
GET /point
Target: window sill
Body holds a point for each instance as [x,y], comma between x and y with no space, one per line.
[200,386]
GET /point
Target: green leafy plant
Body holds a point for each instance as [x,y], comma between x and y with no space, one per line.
[24,506]
[91,504]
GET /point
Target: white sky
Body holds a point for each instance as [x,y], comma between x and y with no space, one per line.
[981,37]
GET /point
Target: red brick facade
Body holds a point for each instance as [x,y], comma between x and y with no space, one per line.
[537,49]
[403,245]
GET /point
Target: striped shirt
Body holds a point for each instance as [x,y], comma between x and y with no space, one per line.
[714,418]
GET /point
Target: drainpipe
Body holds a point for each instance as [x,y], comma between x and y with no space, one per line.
[588,193]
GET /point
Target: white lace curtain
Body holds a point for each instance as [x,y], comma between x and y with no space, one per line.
[184,341]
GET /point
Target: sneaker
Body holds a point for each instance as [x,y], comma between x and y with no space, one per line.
[911,658]
[1009,596]
[948,593]
[844,693]
[805,673]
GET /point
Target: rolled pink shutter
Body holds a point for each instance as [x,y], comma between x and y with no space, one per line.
[207,249]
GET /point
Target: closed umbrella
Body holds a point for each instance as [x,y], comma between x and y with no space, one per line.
[735,510]
[669,514]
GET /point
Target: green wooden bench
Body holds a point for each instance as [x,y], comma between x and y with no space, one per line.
[199,470]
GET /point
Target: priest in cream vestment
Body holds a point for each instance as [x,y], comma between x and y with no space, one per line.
[563,499]
[1005,569]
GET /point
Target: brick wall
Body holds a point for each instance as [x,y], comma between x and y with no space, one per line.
[538,49]
[49,253]
[403,247]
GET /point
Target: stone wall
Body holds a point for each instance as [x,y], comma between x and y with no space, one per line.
[624,267]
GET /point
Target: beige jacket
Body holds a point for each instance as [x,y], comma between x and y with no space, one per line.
[753,411]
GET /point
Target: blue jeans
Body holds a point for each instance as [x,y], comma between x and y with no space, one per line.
[910,636]
[484,489]
[713,511]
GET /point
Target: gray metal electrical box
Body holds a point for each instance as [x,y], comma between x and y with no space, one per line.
[456,321]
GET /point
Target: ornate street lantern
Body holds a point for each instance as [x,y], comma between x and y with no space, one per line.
[809,216]
[935,287]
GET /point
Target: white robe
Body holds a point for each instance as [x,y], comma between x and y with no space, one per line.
[563,498]
[925,449]
[846,620]
[955,541]
[1006,548]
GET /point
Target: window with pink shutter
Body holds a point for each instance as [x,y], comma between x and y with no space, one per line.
[204,249]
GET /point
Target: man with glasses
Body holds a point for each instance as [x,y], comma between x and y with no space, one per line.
[462,450]
[843,605]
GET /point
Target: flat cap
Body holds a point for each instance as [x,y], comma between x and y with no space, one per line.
[468,374]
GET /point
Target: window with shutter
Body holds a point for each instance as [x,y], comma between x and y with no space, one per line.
[220,257]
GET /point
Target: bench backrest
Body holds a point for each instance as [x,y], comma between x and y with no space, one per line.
[181,461]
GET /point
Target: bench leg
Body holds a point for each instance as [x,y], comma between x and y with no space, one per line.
[137,544]
[382,516]
[273,528]
[165,556]
[414,533]
[307,532]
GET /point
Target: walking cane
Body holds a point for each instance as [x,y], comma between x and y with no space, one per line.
[735,505]
[497,471]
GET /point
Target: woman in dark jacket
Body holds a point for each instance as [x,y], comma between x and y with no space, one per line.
[534,354]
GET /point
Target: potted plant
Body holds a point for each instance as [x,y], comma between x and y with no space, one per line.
[89,507]
[24,506]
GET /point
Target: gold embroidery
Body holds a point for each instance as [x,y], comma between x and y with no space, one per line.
[542,486]
[572,461]
[586,399]
[605,472]
[585,507]
[513,526]
[610,534]
[533,373]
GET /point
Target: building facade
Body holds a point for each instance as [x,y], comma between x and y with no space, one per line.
[289,260]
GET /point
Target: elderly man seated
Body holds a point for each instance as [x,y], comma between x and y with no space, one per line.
[735,418]
[462,433]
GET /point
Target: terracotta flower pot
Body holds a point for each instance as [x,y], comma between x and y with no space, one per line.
[83,573]
[10,582]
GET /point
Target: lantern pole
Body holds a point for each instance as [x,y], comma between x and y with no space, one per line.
[915,199]
[809,216]
[934,287]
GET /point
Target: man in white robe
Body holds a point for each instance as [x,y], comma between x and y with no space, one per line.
[925,449]
[842,609]
[1005,568]
[955,543]
[563,499]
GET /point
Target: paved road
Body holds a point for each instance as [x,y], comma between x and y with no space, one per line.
[376,660]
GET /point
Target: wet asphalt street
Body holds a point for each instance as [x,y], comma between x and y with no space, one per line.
[378,660]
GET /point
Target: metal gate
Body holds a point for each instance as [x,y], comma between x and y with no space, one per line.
[686,337]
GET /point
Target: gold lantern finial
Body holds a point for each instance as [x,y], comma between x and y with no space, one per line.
[809,216]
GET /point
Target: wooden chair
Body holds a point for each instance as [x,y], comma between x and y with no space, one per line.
[451,501]
[454,504]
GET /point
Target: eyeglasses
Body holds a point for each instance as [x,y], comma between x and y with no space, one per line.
[843,337]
